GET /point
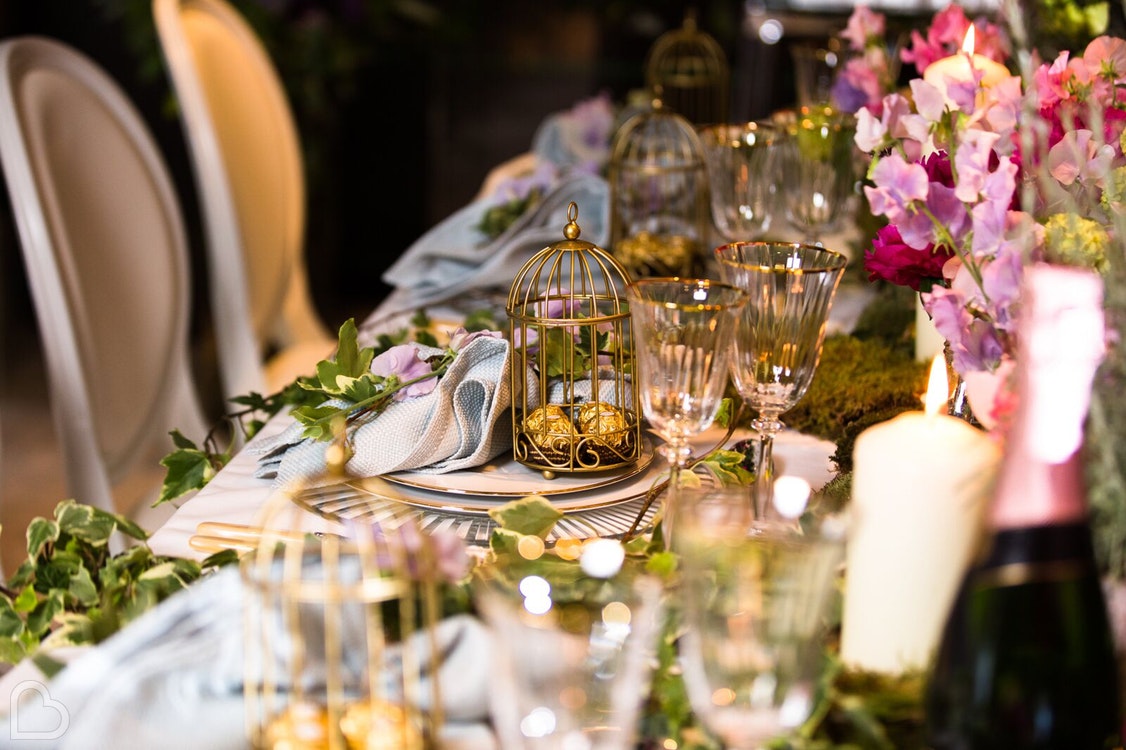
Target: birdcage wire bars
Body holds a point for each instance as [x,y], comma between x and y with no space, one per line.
[340,634]
[689,70]
[570,327]
[659,198]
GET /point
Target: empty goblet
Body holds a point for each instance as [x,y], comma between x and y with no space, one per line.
[742,176]
[754,604]
[779,334]
[818,157]
[682,330]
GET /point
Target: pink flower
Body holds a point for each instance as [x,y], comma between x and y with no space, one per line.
[461,338]
[863,25]
[889,259]
[897,183]
[406,363]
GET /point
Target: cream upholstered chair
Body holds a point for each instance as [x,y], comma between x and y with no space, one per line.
[248,169]
[106,258]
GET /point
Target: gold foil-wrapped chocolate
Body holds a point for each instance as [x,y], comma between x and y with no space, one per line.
[378,725]
[604,420]
[547,424]
[302,726]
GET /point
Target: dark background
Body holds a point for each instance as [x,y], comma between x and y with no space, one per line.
[402,110]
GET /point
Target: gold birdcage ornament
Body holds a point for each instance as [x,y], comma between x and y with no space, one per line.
[570,328]
[689,69]
[659,210]
[341,645]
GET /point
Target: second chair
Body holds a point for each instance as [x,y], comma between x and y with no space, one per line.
[247,161]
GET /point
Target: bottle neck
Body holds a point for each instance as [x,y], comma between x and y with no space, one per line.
[1061,346]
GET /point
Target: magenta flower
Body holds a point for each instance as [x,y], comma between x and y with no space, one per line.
[890,259]
[406,363]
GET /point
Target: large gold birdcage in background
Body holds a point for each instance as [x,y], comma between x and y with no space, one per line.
[659,204]
[687,68]
[341,645]
[570,327]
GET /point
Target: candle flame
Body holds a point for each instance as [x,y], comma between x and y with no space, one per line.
[938,388]
[968,41]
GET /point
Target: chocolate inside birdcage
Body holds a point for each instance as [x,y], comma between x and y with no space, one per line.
[570,328]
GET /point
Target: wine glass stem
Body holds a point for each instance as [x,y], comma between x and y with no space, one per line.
[767,427]
[677,453]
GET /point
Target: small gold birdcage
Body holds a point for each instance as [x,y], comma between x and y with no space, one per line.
[689,69]
[570,329]
[659,209]
[341,645]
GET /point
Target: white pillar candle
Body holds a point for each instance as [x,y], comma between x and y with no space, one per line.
[928,341]
[919,489]
[963,66]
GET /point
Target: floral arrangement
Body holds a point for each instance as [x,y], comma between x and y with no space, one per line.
[946,164]
[979,172]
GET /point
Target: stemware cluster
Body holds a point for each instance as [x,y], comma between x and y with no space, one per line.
[754,588]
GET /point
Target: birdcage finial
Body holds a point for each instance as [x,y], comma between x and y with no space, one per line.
[572,230]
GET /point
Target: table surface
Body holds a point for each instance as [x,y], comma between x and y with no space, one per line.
[236,496]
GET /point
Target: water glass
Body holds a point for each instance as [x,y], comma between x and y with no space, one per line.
[818,159]
[742,176]
[571,672]
[754,605]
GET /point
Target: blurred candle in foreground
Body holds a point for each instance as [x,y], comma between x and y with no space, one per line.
[919,489]
[962,67]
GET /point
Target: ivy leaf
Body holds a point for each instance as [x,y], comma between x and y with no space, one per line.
[366,387]
[40,533]
[350,359]
[533,515]
[82,588]
[92,525]
[11,624]
[39,620]
[558,351]
[26,600]
[189,469]
[727,466]
[317,420]
[12,650]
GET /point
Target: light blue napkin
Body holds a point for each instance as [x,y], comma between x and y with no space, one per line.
[455,256]
[464,422]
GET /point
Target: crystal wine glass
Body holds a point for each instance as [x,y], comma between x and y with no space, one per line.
[754,605]
[682,329]
[818,158]
[779,335]
[742,176]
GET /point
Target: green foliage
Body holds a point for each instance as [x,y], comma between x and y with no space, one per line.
[72,590]
[499,217]
[345,379]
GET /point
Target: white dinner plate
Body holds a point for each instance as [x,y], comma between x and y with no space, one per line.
[504,477]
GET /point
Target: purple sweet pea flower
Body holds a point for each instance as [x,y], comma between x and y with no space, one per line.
[897,184]
[406,363]
[975,150]
[461,338]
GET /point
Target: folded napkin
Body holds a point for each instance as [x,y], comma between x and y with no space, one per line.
[173,678]
[463,422]
[455,256]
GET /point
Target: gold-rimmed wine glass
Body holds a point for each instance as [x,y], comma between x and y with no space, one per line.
[778,338]
[742,176]
[682,330]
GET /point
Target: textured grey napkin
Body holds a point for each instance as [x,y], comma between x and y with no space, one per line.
[463,422]
[455,256]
